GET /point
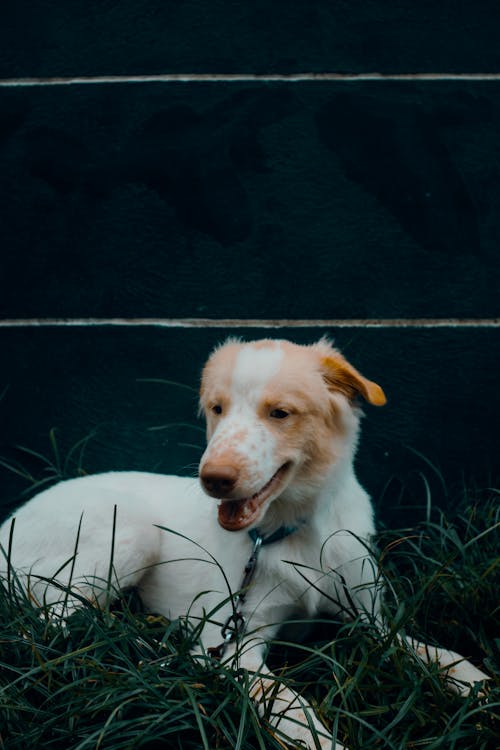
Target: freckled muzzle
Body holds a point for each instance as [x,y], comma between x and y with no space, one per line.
[239,466]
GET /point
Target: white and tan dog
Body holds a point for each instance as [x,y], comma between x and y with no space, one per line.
[282,428]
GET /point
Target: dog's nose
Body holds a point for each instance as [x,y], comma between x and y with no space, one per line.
[218,479]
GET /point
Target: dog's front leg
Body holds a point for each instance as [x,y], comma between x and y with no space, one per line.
[288,714]
[460,674]
[289,717]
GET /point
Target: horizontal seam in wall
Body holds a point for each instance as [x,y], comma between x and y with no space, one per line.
[242,78]
[252,323]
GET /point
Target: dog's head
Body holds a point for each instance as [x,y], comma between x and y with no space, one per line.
[280,417]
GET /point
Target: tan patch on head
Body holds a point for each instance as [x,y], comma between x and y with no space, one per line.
[266,343]
[337,372]
[314,420]
[216,375]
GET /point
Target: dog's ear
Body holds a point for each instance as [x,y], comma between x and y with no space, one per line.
[341,376]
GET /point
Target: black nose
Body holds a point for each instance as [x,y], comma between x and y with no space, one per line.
[218,479]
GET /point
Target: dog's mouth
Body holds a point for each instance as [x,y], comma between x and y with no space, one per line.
[234,515]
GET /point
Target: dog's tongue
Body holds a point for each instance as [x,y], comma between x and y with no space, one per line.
[235,514]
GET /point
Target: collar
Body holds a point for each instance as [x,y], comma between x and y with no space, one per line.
[277,536]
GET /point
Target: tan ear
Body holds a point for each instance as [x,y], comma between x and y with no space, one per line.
[341,376]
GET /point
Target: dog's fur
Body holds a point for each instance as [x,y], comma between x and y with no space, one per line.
[282,428]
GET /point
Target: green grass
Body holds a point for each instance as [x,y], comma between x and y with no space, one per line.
[123,678]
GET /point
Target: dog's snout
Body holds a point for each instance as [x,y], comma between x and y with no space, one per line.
[218,479]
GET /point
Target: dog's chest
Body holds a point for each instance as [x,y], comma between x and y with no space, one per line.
[287,574]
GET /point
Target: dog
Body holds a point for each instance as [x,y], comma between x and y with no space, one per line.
[282,430]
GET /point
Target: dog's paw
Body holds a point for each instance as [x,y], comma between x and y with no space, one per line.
[459,674]
[302,738]
[463,677]
[289,718]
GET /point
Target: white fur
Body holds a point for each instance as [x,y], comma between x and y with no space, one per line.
[170,569]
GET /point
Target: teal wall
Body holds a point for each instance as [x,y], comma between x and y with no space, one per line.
[360,202]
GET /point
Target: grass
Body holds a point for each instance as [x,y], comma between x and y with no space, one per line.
[123,678]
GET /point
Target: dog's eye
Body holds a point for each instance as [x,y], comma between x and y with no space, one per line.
[278,414]
[216,409]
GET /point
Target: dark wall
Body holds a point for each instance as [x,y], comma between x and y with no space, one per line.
[372,204]
[307,200]
[103,37]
